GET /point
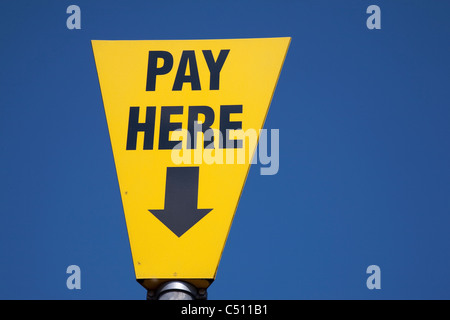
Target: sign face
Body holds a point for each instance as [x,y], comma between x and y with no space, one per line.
[184,118]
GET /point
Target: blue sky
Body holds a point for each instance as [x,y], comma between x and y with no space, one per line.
[364,179]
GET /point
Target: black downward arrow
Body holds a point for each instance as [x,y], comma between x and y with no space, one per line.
[180,211]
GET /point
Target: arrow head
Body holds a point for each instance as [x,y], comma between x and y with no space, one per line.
[181,222]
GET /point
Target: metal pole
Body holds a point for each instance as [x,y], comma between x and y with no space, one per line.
[177,290]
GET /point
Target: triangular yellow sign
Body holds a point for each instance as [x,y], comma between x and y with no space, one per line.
[184,117]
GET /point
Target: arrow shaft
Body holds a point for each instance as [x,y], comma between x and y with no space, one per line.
[181,188]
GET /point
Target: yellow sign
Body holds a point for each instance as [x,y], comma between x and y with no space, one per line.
[184,117]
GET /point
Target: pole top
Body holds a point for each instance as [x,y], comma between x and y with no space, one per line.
[177,290]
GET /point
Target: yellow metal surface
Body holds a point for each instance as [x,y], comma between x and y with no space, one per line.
[247,78]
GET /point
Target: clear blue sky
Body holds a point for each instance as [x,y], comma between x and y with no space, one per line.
[364,120]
